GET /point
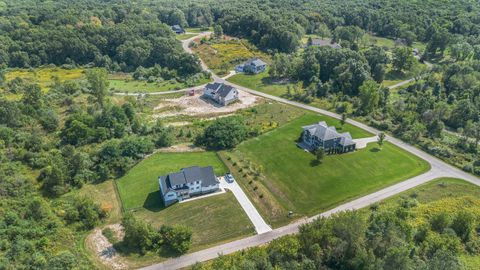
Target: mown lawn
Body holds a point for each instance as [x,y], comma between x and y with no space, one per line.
[124,84]
[185,36]
[213,219]
[300,185]
[139,187]
[263,83]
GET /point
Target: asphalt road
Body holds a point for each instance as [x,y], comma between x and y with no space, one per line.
[438,169]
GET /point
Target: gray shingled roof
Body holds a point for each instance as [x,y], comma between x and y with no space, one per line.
[221,89]
[188,175]
[325,133]
[214,85]
[256,62]
[225,90]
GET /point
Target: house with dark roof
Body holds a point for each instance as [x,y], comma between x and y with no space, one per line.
[178,29]
[188,182]
[320,42]
[322,136]
[221,93]
[254,65]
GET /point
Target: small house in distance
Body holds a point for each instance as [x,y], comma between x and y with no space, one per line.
[221,93]
[188,182]
[320,42]
[322,136]
[254,65]
[177,29]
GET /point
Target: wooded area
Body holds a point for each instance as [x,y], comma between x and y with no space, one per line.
[53,141]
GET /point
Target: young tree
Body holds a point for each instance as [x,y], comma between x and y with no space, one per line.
[218,31]
[178,237]
[319,155]
[343,119]
[98,84]
[369,96]
[139,236]
[381,139]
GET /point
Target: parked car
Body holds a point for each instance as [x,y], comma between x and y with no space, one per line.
[229,178]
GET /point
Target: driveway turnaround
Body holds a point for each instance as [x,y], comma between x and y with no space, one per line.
[260,225]
[362,142]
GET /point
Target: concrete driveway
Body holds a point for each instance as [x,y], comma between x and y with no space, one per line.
[362,142]
[260,225]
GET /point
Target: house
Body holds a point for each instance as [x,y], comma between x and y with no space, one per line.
[221,93]
[254,65]
[191,181]
[322,136]
[320,42]
[177,29]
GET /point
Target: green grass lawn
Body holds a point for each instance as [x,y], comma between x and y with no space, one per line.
[261,82]
[185,36]
[212,220]
[139,187]
[307,189]
[198,29]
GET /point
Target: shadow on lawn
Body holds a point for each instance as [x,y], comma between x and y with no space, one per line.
[315,162]
[153,202]
[375,149]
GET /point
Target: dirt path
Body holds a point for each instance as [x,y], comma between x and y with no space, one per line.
[104,250]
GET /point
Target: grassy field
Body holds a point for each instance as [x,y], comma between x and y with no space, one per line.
[105,195]
[44,76]
[262,82]
[124,83]
[297,184]
[139,187]
[223,55]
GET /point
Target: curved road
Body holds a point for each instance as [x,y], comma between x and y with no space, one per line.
[438,169]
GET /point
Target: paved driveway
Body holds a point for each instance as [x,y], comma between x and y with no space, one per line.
[260,225]
[362,142]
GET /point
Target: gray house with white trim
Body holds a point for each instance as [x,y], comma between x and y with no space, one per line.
[221,93]
[191,181]
[322,136]
[254,65]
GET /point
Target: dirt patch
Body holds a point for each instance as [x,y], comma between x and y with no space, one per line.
[181,148]
[199,106]
[104,250]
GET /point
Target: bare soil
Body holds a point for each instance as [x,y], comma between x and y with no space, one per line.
[199,106]
[104,250]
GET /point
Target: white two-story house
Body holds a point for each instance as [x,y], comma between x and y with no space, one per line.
[191,181]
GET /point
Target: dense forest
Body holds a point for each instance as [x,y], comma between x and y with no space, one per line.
[53,142]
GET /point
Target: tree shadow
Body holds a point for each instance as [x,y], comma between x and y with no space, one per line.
[315,162]
[375,149]
[154,202]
